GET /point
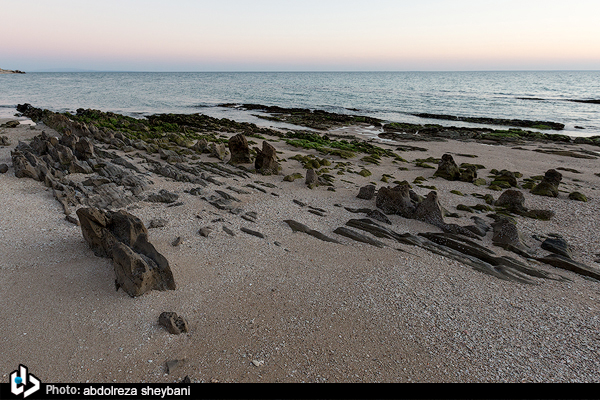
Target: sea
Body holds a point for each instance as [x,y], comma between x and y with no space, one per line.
[390,96]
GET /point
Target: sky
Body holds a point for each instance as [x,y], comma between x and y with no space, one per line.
[299,35]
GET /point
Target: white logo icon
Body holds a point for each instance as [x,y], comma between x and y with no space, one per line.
[19,382]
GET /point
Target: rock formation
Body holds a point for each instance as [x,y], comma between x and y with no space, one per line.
[266,160]
[447,168]
[139,267]
[549,184]
[240,152]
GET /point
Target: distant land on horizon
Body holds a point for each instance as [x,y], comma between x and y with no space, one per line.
[10,71]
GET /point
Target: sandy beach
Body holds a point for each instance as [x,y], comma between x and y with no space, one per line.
[289,307]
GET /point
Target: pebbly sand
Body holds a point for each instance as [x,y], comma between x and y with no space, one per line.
[301,310]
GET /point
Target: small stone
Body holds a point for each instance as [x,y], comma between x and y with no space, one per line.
[3,168]
[258,363]
[173,322]
[205,231]
[157,223]
[177,241]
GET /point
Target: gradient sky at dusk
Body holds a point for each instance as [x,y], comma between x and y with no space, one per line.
[300,35]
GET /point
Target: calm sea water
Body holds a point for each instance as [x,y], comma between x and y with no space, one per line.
[390,96]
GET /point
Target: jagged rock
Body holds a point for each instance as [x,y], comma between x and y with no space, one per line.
[379,216]
[240,152]
[557,245]
[366,192]
[163,196]
[460,249]
[139,267]
[80,167]
[4,141]
[299,227]
[480,228]
[431,211]
[174,323]
[549,184]
[218,150]
[447,168]
[23,165]
[396,200]
[266,160]
[511,199]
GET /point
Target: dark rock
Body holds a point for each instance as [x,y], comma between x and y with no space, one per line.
[379,216]
[253,233]
[3,168]
[163,196]
[447,168]
[205,231]
[549,184]
[11,124]
[366,192]
[178,240]
[396,200]
[240,152]
[577,196]
[266,160]
[558,246]
[506,176]
[139,267]
[511,199]
[157,223]
[563,262]
[299,227]
[312,179]
[174,323]
[507,236]
[359,237]
[468,173]
[4,141]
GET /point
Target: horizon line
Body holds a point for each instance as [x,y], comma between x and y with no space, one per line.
[73,70]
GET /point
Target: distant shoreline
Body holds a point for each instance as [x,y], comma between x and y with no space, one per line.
[8,71]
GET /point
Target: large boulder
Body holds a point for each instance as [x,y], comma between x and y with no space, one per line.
[447,168]
[266,160]
[512,199]
[139,267]
[240,152]
[396,200]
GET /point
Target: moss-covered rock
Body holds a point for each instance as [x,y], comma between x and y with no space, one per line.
[577,196]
